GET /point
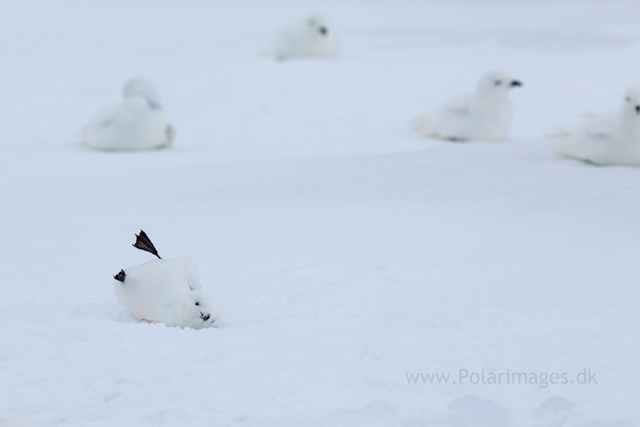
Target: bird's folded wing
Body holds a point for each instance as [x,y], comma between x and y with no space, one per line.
[459,106]
[103,117]
[599,127]
[127,110]
[191,275]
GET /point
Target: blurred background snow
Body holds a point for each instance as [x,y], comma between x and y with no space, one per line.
[345,250]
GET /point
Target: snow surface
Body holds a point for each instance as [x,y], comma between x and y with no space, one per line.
[345,250]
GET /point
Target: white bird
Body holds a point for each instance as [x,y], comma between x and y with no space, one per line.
[166,291]
[310,38]
[483,115]
[137,123]
[606,139]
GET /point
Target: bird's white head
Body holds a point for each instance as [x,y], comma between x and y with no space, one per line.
[144,88]
[202,311]
[317,23]
[631,104]
[497,82]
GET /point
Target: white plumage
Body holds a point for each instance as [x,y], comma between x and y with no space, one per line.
[483,115]
[166,291]
[310,38]
[137,123]
[606,139]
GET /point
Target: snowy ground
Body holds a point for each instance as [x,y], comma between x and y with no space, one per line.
[346,251]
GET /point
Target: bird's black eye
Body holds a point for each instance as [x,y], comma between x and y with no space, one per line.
[497,82]
[197,303]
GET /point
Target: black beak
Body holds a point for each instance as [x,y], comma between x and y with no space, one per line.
[516,83]
[323,30]
[637,109]
[204,316]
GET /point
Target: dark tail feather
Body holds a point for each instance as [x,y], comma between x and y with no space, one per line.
[120,276]
[143,242]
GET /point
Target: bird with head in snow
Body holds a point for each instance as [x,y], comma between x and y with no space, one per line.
[606,139]
[483,115]
[137,123]
[166,291]
[310,38]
